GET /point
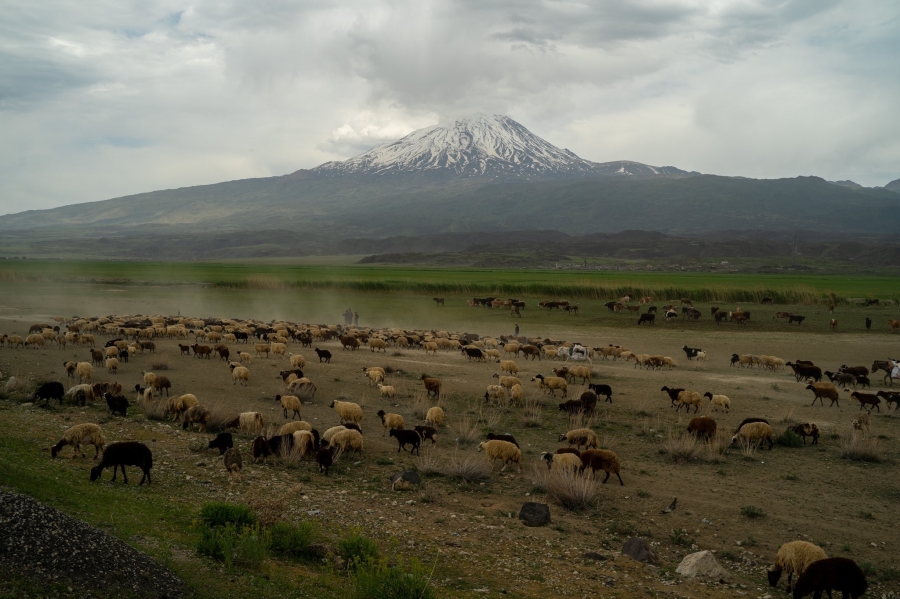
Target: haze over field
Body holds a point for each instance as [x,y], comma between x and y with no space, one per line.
[109,100]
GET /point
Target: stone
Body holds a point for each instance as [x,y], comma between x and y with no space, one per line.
[640,551]
[405,480]
[704,564]
[535,514]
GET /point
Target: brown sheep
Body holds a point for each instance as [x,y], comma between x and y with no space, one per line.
[824,391]
[432,385]
[602,459]
[702,426]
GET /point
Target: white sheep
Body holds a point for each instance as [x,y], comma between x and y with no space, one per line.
[112,365]
[297,361]
[386,391]
[495,393]
[178,405]
[501,450]
[701,355]
[327,435]
[85,371]
[87,433]
[687,399]
[375,376]
[581,436]
[245,357]
[757,432]
[389,421]
[515,394]
[347,440]
[149,378]
[565,462]
[279,349]
[292,427]
[508,381]
[377,344]
[551,383]
[718,401]
[793,558]
[348,411]
[290,403]
[250,422]
[435,416]
[239,373]
[305,443]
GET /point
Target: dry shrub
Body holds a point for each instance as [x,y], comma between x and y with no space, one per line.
[747,447]
[290,457]
[581,420]
[718,444]
[466,430]
[572,491]
[420,405]
[160,362]
[859,448]
[788,418]
[152,409]
[533,413]
[467,468]
[429,464]
[539,475]
[219,417]
[269,505]
[681,447]
[490,419]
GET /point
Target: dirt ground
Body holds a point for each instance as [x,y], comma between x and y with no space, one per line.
[847,507]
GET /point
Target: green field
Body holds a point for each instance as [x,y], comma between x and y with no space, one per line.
[789,288]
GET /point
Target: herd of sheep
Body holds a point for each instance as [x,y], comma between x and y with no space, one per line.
[582,454]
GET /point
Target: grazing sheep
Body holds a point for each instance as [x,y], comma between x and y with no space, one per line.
[702,426]
[566,462]
[794,558]
[432,385]
[116,403]
[290,403]
[435,416]
[348,411]
[85,371]
[404,438]
[324,458]
[861,422]
[386,391]
[427,433]
[748,421]
[551,383]
[602,459]
[223,442]
[501,450]
[125,453]
[758,432]
[832,574]
[292,427]
[179,404]
[515,394]
[69,367]
[250,422]
[507,381]
[581,436]
[375,375]
[244,357]
[390,421]
[718,401]
[87,434]
[48,391]
[233,462]
[807,429]
[326,437]
[259,448]
[824,391]
[347,440]
[304,443]
[507,437]
[495,393]
[198,415]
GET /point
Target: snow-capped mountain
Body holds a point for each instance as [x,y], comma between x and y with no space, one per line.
[481,145]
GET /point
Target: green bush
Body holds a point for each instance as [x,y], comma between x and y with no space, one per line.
[356,549]
[375,579]
[219,514]
[293,540]
[789,439]
[246,547]
[751,511]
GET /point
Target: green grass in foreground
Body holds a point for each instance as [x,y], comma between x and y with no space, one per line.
[703,287]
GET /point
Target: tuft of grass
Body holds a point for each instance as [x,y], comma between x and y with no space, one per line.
[467,468]
[532,414]
[679,536]
[791,477]
[384,462]
[466,430]
[681,447]
[356,549]
[789,439]
[219,417]
[573,492]
[160,362]
[216,513]
[379,579]
[866,515]
[294,540]
[857,448]
[152,409]
[642,494]
[420,405]
[246,547]
[752,512]
[718,445]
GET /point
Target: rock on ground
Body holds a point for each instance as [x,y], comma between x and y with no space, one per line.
[43,543]
[702,563]
[639,550]
[535,514]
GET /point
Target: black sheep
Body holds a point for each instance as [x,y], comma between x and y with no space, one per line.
[48,391]
[690,352]
[601,390]
[222,442]
[280,443]
[323,354]
[406,437]
[426,432]
[510,438]
[673,393]
[748,421]
[324,458]
[833,573]
[125,453]
[116,403]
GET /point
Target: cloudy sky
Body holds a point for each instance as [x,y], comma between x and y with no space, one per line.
[107,98]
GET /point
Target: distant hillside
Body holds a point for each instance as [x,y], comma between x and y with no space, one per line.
[893,185]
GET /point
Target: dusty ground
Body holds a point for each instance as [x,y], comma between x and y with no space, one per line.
[847,507]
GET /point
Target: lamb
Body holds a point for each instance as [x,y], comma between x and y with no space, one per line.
[250,422]
[198,415]
[87,433]
[386,391]
[861,422]
[807,429]
[292,427]
[507,437]
[324,458]
[239,373]
[85,371]
[702,426]
[390,421]
[502,450]
[125,453]
[435,416]
[833,573]
[758,432]
[427,433]
[566,462]
[404,438]
[718,401]
[687,399]
[867,400]
[376,375]
[347,440]
[290,403]
[48,391]
[116,403]
[432,385]
[178,405]
[794,558]
[581,436]
[223,442]
[824,391]
[551,383]
[602,459]
[348,411]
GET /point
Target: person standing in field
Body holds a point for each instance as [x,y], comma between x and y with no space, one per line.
[517,330]
[356,319]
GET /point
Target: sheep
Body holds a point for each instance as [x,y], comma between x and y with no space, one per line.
[79,394]
[233,462]
[239,373]
[602,459]
[125,453]
[515,394]
[507,437]
[292,427]
[116,403]
[718,401]
[551,383]
[427,433]
[259,448]
[565,462]
[794,558]
[69,367]
[702,426]
[161,383]
[278,349]
[509,366]
[580,372]
[304,443]
[262,348]
[85,371]
[495,393]
[35,341]
[87,433]
[375,376]
[326,437]
[348,411]
[861,422]
[244,357]
[507,381]
[179,404]
[376,344]
[824,391]
[833,573]
[48,391]
[435,416]
[744,360]
[687,399]
[807,429]
[867,400]
[223,442]
[581,436]
[841,378]
[501,450]
[805,370]
[347,440]
[755,431]
[198,415]
[324,458]
[889,398]
[386,391]
[250,422]
[149,378]
[405,437]
[390,421]
[290,403]
[432,385]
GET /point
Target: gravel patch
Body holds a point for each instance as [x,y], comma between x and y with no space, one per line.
[43,543]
